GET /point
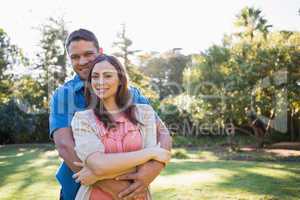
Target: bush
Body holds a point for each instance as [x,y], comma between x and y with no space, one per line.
[17,126]
[181,141]
[180,154]
[41,133]
[275,137]
[176,120]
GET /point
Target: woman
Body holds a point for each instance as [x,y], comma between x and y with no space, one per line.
[113,136]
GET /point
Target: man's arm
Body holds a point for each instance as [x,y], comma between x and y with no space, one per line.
[149,171]
[64,142]
[146,173]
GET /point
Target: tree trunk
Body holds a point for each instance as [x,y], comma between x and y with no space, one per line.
[296,123]
[291,129]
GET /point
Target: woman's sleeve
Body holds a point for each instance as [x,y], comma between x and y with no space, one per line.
[85,136]
[147,116]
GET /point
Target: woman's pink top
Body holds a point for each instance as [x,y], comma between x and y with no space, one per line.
[125,137]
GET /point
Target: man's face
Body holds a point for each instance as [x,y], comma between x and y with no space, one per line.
[81,53]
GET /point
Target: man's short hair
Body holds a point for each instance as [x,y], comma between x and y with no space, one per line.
[82,34]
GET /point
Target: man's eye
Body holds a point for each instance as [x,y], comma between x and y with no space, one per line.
[89,54]
[74,57]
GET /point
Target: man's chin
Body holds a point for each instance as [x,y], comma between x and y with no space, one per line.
[83,76]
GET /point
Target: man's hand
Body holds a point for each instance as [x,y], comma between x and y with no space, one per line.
[141,179]
[85,176]
[149,171]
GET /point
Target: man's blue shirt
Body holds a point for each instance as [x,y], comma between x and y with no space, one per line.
[65,101]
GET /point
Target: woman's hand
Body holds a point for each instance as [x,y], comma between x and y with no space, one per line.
[85,176]
[160,154]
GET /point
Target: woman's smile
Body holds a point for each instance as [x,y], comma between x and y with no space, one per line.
[101,90]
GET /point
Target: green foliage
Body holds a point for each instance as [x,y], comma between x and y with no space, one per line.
[10,55]
[139,80]
[22,99]
[210,141]
[29,93]
[165,71]
[122,46]
[5,91]
[52,60]
[177,119]
[12,122]
[259,73]
[180,154]
[16,126]
[254,68]
[251,22]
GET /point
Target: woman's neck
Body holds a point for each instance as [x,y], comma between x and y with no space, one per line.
[111,105]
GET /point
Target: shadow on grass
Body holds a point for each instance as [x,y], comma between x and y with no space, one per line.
[244,177]
[18,158]
[263,185]
[189,166]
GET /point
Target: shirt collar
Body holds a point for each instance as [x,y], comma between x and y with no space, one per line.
[78,83]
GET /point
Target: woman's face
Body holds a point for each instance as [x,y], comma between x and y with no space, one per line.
[105,80]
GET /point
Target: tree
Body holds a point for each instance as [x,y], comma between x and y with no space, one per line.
[166,71]
[28,93]
[10,55]
[137,78]
[52,58]
[177,63]
[225,80]
[251,22]
[17,126]
[155,69]
[123,44]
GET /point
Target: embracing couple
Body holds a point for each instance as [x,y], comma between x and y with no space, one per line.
[111,140]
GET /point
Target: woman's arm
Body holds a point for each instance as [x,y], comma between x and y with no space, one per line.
[105,164]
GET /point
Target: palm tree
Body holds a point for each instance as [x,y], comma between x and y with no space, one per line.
[251,22]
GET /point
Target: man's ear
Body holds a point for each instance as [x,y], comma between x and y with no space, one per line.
[100,51]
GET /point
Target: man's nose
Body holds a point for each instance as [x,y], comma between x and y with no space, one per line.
[83,61]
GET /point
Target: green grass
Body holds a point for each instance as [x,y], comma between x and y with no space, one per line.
[27,172]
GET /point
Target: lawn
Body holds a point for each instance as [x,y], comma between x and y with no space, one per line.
[27,172]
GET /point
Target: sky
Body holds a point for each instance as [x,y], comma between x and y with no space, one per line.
[153,25]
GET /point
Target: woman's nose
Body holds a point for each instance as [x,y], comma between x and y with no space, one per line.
[101,81]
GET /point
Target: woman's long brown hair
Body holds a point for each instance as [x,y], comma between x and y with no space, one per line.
[123,96]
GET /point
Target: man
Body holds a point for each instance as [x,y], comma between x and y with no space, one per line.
[83,47]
